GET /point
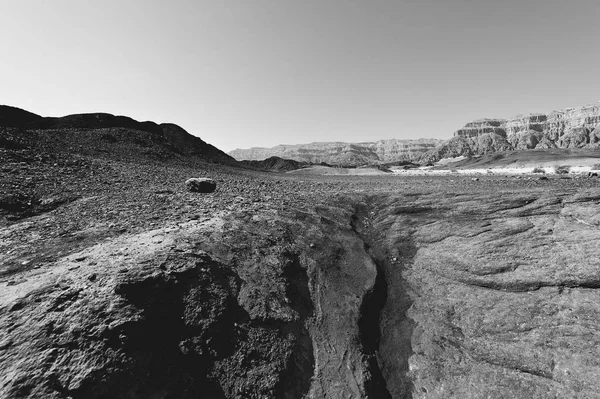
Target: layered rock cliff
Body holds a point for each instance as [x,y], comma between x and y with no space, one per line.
[567,128]
[340,153]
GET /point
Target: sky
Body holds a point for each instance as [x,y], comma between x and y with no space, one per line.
[258,73]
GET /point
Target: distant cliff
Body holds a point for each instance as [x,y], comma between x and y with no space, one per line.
[567,128]
[339,153]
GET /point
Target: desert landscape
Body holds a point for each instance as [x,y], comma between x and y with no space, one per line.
[293,280]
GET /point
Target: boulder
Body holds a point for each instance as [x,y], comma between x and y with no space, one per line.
[200,185]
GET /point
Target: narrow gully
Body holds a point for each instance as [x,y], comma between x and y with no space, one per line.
[385,330]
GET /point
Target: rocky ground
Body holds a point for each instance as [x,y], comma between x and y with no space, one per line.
[118,283]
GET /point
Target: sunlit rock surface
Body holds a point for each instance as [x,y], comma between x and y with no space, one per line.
[339,153]
[567,128]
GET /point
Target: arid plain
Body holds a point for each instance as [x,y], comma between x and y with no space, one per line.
[117,282]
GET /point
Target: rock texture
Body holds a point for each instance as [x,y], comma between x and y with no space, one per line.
[200,185]
[346,154]
[503,291]
[568,128]
[116,282]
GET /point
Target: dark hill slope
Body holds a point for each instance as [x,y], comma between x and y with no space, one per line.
[17,117]
[105,135]
[275,164]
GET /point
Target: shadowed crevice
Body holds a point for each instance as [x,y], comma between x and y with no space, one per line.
[384,326]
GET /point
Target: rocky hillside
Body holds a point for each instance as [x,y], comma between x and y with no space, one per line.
[346,154]
[568,128]
[274,164]
[105,135]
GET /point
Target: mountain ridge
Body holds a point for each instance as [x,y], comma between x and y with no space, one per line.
[343,153]
[110,135]
[568,128]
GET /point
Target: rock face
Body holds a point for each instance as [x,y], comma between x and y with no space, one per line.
[480,127]
[200,185]
[568,128]
[347,154]
[497,286]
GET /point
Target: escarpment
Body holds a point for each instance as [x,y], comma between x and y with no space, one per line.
[568,128]
[346,154]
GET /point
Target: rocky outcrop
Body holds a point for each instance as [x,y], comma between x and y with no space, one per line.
[568,128]
[480,127]
[339,153]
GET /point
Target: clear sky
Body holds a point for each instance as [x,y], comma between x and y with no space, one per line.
[242,73]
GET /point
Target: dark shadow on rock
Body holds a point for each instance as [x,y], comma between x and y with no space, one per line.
[295,382]
[384,326]
[188,320]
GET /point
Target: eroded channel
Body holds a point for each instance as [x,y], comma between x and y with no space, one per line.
[384,326]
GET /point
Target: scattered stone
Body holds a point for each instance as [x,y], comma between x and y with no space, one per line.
[200,185]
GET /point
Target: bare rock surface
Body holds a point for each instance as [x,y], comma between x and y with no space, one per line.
[116,282]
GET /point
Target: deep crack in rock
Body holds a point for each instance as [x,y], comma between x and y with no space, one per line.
[384,327]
